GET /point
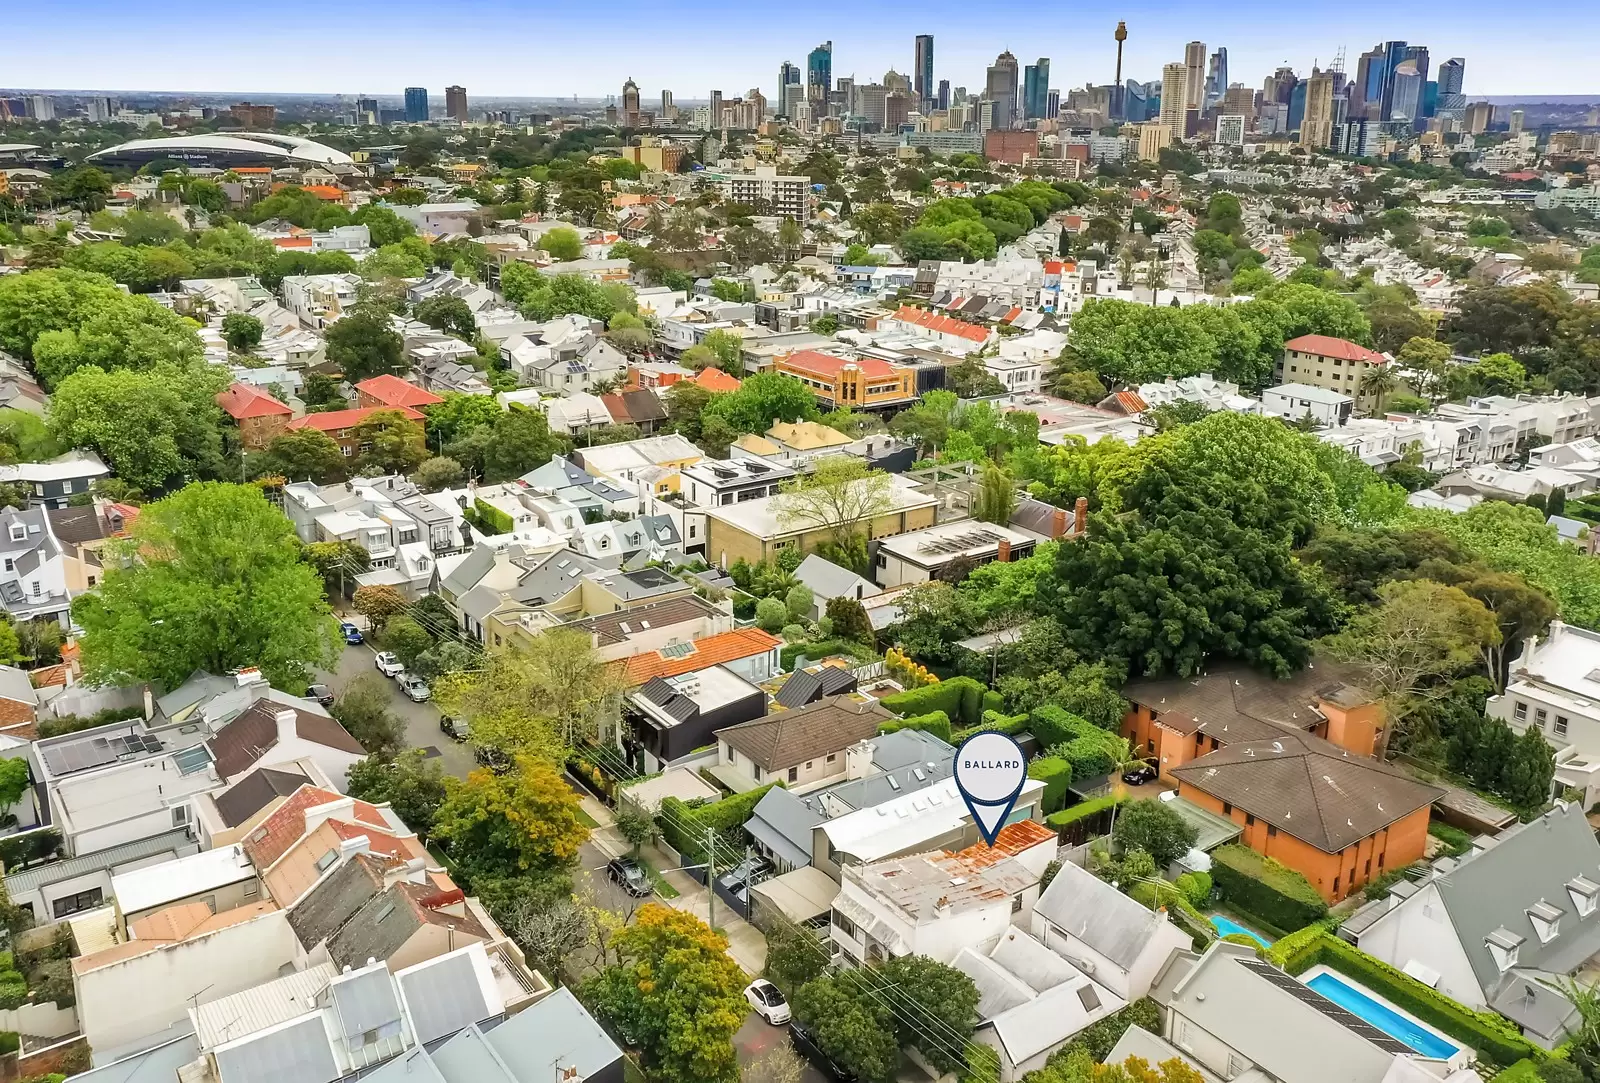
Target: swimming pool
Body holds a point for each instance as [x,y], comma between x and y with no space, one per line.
[1227,926]
[1392,1023]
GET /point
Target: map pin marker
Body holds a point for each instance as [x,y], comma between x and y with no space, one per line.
[990,772]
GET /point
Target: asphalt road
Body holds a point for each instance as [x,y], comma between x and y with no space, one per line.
[421,719]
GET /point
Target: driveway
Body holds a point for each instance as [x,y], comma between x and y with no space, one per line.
[421,720]
[757,1036]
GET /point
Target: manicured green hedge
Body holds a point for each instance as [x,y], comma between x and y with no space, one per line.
[822,648]
[1524,1071]
[962,698]
[1082,810]
[1184,915]
[1010,725]
[683,825]
[1496,1040]
[10,1041]
[493,519]
[1056,774]
[934,722]
[1279,894]
[1294,952]
[1054,725]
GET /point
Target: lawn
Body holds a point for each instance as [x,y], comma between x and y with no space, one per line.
[587,820]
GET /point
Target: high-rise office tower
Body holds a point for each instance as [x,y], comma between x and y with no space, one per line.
[1052,103]
[669,112]
[100,109]
[1194,87]
[1452,73]
[455,103]
[896,109]
[1240,100]
[1405,92]
[367,111]
[1174,85]
[416,104]
[1035,86]
[922,70]
[1216,78]
[1366,93]
[1480,117]
[716,109]
[1394,53]
[1316,128]
[1518,118]
[1297,106]
[944,94]
[788,76]
[630,104]
[1230,129]
[819,76]
[894,81]
[1001,88]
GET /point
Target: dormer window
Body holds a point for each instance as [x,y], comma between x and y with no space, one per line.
[1504,945]
[1546,920]
[19,532]
[1584,894]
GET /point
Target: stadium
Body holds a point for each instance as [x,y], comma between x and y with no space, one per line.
[227,152]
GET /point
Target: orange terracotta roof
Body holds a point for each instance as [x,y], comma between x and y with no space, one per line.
[174,925]
[1132,402]
[293,242]
[393,391]
[1328,346]
[711,651]
[278,832]
[829,366]
[334,420]
[252,169]
[1012,314]
[14,712]
[327,192]
[715,380]
[1013,839]
[242,400]
[943,325]
[1053,266]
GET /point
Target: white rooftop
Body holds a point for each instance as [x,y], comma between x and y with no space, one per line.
[759,518]
[1309,393]
[906,822]
[170,881]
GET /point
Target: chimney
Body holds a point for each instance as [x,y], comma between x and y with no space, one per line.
[1080,516]
[1004,556]
[286,723]
[1058,524]
[246,677]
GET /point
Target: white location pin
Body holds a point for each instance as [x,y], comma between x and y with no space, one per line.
[990,772]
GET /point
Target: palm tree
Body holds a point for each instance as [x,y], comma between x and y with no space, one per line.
[1378,383]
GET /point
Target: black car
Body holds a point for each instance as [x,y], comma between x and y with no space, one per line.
[452,728]
[321,693]
[492,758]
[806,1045]
[628,873]
[1138,776]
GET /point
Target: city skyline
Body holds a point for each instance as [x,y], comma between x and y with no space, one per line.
[865,45]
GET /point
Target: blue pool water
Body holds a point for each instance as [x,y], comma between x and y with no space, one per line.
[1227,927]
[1356,1002]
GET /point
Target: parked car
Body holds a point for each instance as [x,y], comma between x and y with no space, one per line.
[630,875]
[388,664]
[805,1044]
[415,688]
[321,693]
[1138,776]
[453,728]
[768,1002]
[492,758]
[352,634]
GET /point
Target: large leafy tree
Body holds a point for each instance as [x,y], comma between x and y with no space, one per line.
[679,992]
[761,400]
[854,1029]
[460,413]
[156,428]
[521,441]
[303,455]
[411,783]
[841,496]
[1515,538]
[941,1009]
[395,443]
[363,344]
[1154,828]
[524,824]
[213,581]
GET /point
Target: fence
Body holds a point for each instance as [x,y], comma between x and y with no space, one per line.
[871,671]
[41,1020]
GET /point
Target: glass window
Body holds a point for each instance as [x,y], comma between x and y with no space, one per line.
[1521,711]
[1561,725]
[1539,717]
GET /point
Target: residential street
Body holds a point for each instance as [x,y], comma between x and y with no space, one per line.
[421,719]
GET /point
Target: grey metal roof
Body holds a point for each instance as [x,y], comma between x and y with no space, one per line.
[444,996]
[782,822]
[414,1066]
[99,861]
[829,580]
[365,1000]
[552,1035]
[153,1065]
[468,1058]
[1528,864]
[295,1053]
[1092,910]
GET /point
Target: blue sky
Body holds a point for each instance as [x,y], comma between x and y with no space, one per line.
[514,48]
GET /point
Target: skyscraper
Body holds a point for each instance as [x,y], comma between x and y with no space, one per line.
[1001,88]
[455,103]
[1405,92]
[669,112]
[1366,94]
[1316,129]
[416,104]
[716,109]
[922,70]
[1518,117]
[788,76]
[1297,106]
[630,104]
[1052,104]
[1394,53]
[944,94]
[1451,102]
[819,77]
[1174,84]
[1216,78]
[367,111]
[1194,89]
[1035,85]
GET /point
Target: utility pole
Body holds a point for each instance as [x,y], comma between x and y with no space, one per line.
[711,877]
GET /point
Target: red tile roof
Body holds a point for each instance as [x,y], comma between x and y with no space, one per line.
[715,380]
[1131,402]
[1053,266]
[944,325]
[293,242]
[828,366]
[1328,346]
[279,832]
[334,420]
[1013,839]
[1011,315]
[327,192]
[393,391]
[711,651]
[243,400]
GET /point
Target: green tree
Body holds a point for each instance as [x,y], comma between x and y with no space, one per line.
[1154,828]
[156,428]
[854,1029]
[411,784]
[522,441]
[1376,383]
[406,638]
[14,781]
[304,455]
[241,331]
[393,443]
[363,710]
[378,604]
[458,414]
[942,1008]
[217,585]
[849,620]
[563,244]
[438,473]
[363,344]
[1527,772]
[761,400]
[728,349]
[997,496]
[522,825]
[450,315]
[841,496]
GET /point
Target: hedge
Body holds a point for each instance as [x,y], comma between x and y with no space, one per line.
[1495,1040]
[1524,1071]
[1184,915]
[1279,894]
[822,648]
[1294,952]
[492,518]
[10,1041]
[1010,725]
[934,722]
[683,825]
[1099,1039]
[13,989]
[961,698]
[1056,774]
[1054,725]
[1082,810]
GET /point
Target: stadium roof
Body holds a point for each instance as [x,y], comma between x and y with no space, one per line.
[264,147]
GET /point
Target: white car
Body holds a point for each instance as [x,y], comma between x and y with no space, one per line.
[767,1001]
[388,664]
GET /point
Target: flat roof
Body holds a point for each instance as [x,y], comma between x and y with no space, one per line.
[759,518]
[943,543]
[154,885]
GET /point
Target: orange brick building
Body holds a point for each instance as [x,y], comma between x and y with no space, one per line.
[1337,819]
[867,383]
[341,425]
[392,391]
[260,417]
